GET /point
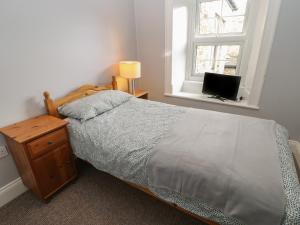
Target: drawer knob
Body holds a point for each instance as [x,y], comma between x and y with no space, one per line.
[50,142]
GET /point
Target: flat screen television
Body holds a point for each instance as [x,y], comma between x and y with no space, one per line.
[221,86]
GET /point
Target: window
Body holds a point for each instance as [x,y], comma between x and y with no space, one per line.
[218,37]
[219,17]
[216,58]
[232,37]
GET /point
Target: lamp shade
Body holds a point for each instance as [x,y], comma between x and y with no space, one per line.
[130,69]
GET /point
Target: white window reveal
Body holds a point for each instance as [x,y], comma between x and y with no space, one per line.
[231,37]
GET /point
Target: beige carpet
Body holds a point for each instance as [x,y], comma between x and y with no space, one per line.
[95,198]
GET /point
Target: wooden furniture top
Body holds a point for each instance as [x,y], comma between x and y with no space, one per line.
[138,93]
[30,129]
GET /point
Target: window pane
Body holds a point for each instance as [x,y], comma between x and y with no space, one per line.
[209,11]
[226,67]
[208,26]
[219,59]
[222,16]
[234,8]
[219,66]
[233,24]
[228,53]
[204,66]
[205,53]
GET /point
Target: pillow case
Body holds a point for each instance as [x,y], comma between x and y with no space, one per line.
[94,105]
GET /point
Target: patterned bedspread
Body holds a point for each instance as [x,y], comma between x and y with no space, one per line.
[120,142]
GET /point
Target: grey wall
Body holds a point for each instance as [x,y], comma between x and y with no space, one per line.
[281,94]
[57,45]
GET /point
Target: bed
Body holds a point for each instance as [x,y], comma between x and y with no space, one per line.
[219,168]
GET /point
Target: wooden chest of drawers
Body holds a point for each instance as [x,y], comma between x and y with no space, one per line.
[42,152]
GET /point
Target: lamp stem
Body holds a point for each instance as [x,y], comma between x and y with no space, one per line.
[131,86]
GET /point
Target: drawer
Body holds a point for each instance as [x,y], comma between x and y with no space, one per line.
[45,143]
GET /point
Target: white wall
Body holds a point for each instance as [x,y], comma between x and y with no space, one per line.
[57,45]
[281,93]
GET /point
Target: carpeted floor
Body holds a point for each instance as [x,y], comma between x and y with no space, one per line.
[95,198]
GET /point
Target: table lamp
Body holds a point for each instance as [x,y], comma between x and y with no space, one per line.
[130,70]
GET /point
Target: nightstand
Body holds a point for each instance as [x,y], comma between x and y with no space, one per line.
[141,94]
[42,152]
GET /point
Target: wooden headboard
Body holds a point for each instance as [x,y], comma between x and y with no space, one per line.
[118,83]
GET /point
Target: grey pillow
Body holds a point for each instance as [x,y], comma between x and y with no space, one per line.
[94,105]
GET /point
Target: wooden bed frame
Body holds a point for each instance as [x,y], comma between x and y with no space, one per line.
[118,83]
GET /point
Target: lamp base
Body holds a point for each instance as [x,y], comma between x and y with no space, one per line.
[131,85]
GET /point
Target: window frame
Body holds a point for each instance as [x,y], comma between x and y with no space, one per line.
[199,76]
[262,37]
[194,39]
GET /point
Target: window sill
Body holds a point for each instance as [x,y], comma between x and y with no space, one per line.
[205,98]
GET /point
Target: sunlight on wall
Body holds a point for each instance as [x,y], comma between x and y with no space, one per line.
[180,36]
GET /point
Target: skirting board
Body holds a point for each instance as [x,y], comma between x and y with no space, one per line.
[12,190]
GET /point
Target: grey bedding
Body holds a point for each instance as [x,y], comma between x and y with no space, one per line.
[230,162]
[122,141]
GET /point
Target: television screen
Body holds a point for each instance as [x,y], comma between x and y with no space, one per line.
[220,85]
